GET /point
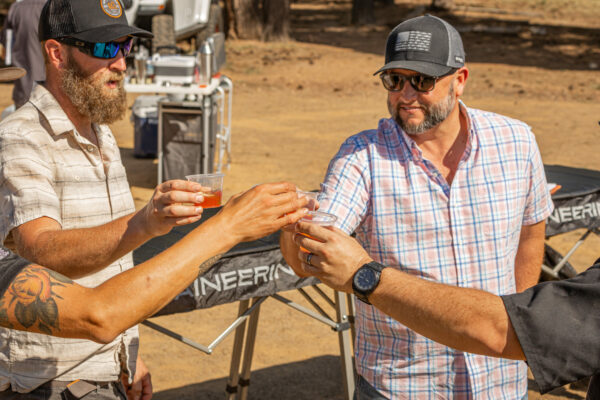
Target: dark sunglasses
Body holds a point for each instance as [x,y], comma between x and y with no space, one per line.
[421,83]
[104,50]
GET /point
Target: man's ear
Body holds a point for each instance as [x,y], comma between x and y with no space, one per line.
[461,80]
[56,53]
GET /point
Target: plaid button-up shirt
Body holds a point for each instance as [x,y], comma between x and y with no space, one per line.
[47,169]
[467,234]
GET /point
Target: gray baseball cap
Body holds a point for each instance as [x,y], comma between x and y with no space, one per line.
[427,44]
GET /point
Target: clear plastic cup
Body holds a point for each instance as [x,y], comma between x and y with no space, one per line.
[214,182]
[319,218]
[312,199]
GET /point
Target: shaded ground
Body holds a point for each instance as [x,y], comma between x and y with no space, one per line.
[294,104]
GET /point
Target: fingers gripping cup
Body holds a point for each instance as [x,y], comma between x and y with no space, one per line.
[319,218]
[213,182]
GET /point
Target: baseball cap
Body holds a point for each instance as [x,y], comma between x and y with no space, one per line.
[11,73]
[427,44]
[87,20]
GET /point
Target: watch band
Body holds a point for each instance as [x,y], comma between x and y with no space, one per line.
[362,294]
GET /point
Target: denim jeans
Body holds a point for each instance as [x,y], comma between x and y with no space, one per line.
[107,391]
[364,391]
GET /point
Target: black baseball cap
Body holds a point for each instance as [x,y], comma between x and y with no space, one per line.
[427,44]
[87,20]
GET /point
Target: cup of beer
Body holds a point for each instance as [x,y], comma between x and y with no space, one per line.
[319,218]
[213,188]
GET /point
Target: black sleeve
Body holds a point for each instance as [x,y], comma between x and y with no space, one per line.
[10,265]
[558,326]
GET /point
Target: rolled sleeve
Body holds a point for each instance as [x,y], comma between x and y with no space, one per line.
[538,204]
[347,184]
[558,327]
[26,183]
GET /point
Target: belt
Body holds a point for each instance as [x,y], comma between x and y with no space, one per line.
[65,384]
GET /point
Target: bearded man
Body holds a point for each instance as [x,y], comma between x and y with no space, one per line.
[443,192]
[66,201]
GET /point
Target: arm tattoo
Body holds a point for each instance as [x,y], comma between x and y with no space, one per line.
[205,266]
[30,300]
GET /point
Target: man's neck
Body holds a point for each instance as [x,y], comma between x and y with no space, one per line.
[445,144]
[82,124]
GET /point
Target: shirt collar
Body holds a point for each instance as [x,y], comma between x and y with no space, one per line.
[412,149]
[46,104]
[58,121]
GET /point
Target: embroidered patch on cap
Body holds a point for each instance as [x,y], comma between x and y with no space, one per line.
[3,253]
[413,40]
[112,8]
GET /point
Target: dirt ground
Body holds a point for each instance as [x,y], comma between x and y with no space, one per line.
[294,104]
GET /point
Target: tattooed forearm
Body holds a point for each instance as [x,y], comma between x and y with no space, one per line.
[205,266]
[29,303]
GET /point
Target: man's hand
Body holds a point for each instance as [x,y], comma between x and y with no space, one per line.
[173,203]
[262,210]
[141,387]
[335,255]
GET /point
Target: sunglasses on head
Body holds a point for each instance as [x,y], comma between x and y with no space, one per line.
[394,82]
[104,50]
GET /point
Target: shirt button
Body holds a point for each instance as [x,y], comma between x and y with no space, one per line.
[90,148]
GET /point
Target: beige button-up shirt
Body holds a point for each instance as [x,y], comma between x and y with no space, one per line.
[47,169]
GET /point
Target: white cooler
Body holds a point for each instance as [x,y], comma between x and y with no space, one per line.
[174,69]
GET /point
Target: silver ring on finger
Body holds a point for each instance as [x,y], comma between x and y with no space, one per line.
[308,258]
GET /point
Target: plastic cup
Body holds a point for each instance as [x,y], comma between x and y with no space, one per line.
[312,199]
[214,182]
[319,218]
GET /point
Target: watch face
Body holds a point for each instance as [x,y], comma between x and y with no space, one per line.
[365,279]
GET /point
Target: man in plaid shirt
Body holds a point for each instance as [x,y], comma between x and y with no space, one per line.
[443,192]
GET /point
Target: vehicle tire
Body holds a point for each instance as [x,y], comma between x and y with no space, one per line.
[551,259]
[214,24]
[164,35]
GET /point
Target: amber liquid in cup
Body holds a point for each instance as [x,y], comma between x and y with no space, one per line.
[212,199]
[317,217]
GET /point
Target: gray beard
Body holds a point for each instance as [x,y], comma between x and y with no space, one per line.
[435,114]
[89,96]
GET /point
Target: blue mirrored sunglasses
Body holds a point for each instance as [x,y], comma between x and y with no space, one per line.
[104,50]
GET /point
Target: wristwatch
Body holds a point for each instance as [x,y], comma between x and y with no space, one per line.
[366,279]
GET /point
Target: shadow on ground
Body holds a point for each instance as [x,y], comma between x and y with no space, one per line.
[496,39]
[315,378]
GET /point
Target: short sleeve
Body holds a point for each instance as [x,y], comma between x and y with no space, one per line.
[26,181]
[10,265]
[558,326]
[347,184]
[538,205]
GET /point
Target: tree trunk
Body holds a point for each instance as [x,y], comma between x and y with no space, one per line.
[276,20]
[229,20]
[248,24]
[363,12]
[443,5]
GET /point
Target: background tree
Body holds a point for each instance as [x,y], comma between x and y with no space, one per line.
[267,20]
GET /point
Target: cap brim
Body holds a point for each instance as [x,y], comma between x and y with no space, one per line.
[109,33]
[421,67]
[11,73]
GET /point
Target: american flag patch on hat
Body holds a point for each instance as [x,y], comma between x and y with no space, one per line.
[413,40]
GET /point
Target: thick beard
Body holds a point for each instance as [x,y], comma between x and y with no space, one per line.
[90,95]
[435,114]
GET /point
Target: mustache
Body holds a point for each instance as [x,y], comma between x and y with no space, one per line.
[118,77]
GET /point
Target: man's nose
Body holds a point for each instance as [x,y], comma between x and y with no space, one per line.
[119,63]
[408,93]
